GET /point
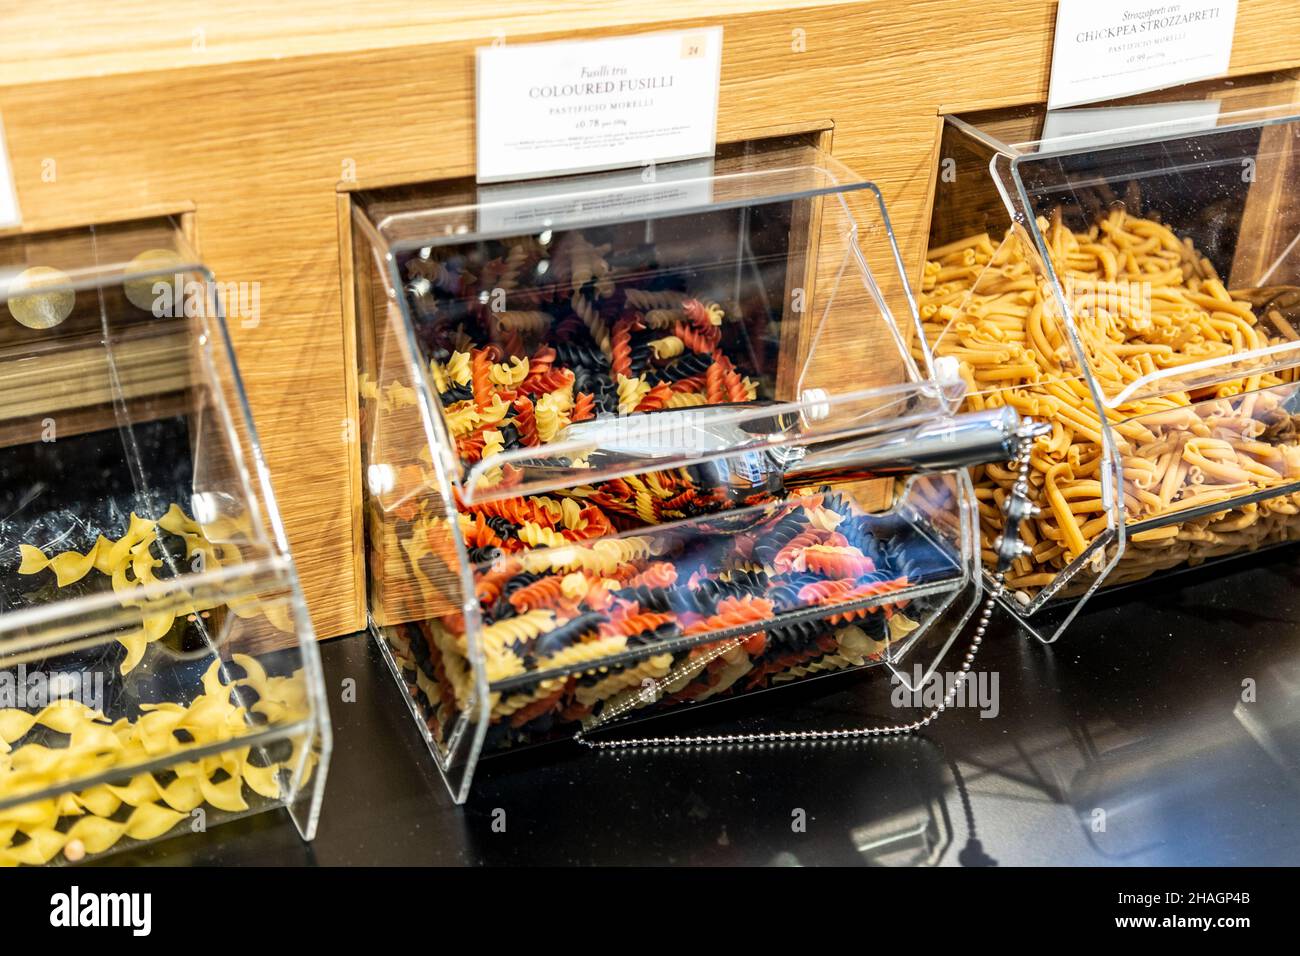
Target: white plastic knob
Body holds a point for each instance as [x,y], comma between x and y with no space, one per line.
[947,369]
[817,404]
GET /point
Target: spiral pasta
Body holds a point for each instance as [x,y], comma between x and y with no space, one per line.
[598,604]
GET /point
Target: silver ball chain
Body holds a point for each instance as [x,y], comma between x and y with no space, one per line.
[1008,547]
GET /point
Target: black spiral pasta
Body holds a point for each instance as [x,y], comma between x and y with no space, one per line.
[502,527]
[455,393]
[779,536]
[580,355]
[553,641]
[794,636]
[686,366]
[663,632]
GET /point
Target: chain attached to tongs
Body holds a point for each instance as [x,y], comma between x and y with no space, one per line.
[1008,547]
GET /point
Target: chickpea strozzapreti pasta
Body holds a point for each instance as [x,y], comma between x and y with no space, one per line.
[1147,307]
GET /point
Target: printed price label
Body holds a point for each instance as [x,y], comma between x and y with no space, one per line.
[589,105]
[1106,49]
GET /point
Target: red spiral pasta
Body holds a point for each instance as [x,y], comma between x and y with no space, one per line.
[659,574]
[488,586]
[541,361]
[788,557]
[545,593]
[697,340]
[620,362]
[470,446]
[548,381]
[632,624]
[835,562]
[656,398]
[481,377]
[684,500]
[584,407]
[525,421]
[481,535]
[715,384]
[514,510]
[698,314]
[689,385]
[862,592]
[736,390]
[597,524]
[826,592]
[732,612]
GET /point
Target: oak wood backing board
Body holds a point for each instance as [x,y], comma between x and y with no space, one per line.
[258,127]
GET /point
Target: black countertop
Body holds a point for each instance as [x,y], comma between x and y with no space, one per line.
[1127,742]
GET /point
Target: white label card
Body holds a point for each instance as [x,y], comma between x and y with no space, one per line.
[9,214]
[516,208]
[581,106]
[1107,125]
[1106,49]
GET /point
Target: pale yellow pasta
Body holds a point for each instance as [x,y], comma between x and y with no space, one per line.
[686,400]
[530,322]
[642,299]
[549,417]
[459,369]
[670,346]
[586,311]
[509,373]
[462,420]
[536,536]
[630,392]
[983,305]
[30,832]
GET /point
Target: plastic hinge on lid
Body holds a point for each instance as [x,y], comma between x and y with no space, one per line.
[817,404]
[947,368]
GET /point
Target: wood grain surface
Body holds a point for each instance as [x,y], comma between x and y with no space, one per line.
[112,111]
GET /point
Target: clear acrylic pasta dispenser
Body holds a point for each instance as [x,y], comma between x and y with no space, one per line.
[635,444]
[158,671]
[1130,273]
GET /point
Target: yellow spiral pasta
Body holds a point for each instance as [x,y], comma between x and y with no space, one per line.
[458,366]
[630,392]
[499,636]
[586,311]
[652,668]
[663,318]
[438,372]
[462,421]
[670,346]
[533,323]
[509,373]
[549,416]
[686,400]
[643,299]
[535,536]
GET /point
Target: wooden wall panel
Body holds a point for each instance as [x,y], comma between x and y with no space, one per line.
[257,128]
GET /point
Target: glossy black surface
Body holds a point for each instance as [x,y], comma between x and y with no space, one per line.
[1127,742]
